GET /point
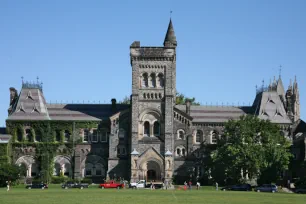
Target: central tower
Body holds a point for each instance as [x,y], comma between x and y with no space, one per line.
[153,98]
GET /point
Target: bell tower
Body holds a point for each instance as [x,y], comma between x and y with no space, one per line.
[153,98]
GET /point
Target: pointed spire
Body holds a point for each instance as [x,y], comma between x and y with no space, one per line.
[170,38]
[295,86]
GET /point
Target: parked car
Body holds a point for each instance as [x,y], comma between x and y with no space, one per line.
[266,188]
[111,184]
[74,185]
[37,185]
[300,190]
[144,184]
[239,187]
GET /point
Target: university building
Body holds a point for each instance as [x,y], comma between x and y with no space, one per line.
[151,138]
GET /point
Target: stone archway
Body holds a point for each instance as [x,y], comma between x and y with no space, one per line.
[30,165]
[154,171]
[62,166]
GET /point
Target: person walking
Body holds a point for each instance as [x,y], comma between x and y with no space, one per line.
[8,183]
[185,185]
[216,186]
[190,185]
[198,185]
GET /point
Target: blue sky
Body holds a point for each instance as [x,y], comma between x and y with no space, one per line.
[80,49]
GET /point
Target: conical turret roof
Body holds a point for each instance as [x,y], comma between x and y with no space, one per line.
[170,38]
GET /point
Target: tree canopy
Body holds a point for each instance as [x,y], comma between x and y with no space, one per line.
[250,148]
[181,99]
[9,172]
[125,100]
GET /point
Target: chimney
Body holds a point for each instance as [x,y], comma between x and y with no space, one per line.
[114,107]
[188,104]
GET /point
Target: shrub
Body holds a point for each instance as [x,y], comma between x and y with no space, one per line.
[59,179]
[86,180]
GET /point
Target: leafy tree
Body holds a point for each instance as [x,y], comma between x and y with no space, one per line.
[9,172]
[125,100]
[181,99]
[250,146]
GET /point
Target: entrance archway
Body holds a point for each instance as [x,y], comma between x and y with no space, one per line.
[153,171]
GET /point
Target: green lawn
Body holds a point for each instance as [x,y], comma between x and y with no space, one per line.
[93,195]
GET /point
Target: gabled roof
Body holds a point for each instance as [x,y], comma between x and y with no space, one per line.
[269,106]
[31,105]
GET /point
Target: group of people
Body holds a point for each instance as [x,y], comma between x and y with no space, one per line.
[189,185]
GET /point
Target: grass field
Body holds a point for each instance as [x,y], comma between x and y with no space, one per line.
[94,195]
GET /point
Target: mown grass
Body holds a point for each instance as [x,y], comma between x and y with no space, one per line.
[94,195]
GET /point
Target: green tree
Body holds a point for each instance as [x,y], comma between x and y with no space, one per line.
[250,146]
[125,100]
[181,99]
[9,172]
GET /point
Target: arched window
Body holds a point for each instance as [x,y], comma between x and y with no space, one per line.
[180,135]
[199,136]
[19,135]
[86,135]
[178,152]
[153,80]
[160,80]
[156,128]
[146,128]
[29,136]
[67,135]
[183,152]
[145,80]
[38,136]
[214,137]
[58,135]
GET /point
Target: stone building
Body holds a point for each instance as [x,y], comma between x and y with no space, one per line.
[152,138]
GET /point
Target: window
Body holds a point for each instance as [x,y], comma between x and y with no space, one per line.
[153,80]
[156,128]
[178,152]
[121,134]
[146,128]
[29,136]
[160,80]
[198,136]
[183,152]
[38,136]
[103,136]
[67,136]
[180,134]
[86,135]
[214,137]
[119,151]
[19,135]
[95,136]
[145,80]
[58,135]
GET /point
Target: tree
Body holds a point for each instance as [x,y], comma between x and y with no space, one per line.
[181,99]
[125,100]
[9,172]
[253,148]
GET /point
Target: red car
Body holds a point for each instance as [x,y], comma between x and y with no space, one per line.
[111,184]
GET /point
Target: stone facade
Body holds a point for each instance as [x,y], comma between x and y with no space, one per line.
[152,138]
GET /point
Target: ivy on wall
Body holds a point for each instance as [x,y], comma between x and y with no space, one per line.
[52,136]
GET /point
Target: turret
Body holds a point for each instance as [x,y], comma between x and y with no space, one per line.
[170,38]
[296,100]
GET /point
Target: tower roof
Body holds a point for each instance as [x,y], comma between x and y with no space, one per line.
[170,38]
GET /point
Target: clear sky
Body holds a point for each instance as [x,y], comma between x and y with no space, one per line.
[80,49]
